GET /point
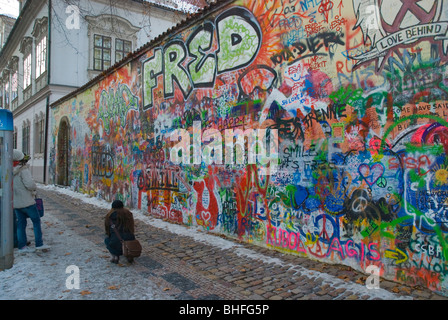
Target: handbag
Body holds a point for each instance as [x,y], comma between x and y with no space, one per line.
[131,248]
[40,206]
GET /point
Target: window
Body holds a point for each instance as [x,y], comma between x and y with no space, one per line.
[40,136]
[111,38]
[41,56]
[102,52]
[14,85]
[14,138]
[26,138]
[27,71]
[7,94]
[122,48]
[25,48]
[40,35]
[1,96]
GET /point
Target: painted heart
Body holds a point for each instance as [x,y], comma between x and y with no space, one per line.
[371,173]
[205,215]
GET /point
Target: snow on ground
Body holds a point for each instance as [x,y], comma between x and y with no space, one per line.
[49,275]
[44,275]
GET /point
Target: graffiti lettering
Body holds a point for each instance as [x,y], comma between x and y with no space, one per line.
[113,105]
[312,46]
[102,162]
[239,39]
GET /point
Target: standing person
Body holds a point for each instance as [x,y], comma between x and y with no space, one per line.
[123,221]
[24,203]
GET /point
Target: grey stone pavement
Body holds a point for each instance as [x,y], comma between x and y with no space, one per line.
[187,269]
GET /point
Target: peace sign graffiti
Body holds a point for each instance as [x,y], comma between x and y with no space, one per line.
[359,204]
[359,201]
[409,8]
[381,182]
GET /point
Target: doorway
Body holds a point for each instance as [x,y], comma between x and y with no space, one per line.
[63,152]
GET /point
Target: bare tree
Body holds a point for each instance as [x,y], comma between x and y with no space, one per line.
[85,9]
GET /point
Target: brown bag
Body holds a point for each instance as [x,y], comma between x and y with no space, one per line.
[131,248]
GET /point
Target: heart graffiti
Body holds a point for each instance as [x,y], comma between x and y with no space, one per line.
[371,173]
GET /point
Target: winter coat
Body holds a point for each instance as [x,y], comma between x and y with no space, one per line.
[112,242]
[24,187]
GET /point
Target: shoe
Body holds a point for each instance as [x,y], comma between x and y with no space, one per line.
[26,250]
[130,259]
[114,259]
[27,244]
[43,247]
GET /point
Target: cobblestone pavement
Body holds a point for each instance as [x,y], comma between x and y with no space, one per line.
[187,269]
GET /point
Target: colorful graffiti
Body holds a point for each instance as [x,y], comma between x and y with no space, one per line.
[357,94]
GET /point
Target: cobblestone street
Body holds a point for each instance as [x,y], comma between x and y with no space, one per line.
[185,268]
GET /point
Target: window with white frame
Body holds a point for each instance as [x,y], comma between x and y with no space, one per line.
[25,48]
[7,94]
[111,38]
[39,134]
[102,52]
[26,137]
[40,35]
[2,89]
[27,71]
[41,56]
[14,84]
[14,138]
[122,48]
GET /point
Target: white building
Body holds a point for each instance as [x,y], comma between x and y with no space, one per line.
[56,46]
[6,24]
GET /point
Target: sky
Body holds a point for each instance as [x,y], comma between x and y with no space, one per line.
[10,7]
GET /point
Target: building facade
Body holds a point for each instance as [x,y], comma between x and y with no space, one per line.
[57,46]
[6,24]
[352,96]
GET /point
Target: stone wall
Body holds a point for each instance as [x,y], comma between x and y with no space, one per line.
[337,111]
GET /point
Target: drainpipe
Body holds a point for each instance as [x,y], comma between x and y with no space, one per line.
[47,110]
[46,138]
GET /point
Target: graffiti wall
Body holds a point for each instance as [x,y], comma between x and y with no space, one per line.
[346,101]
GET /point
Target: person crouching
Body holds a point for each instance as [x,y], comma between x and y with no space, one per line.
[122,219]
